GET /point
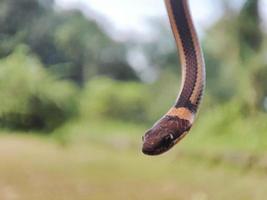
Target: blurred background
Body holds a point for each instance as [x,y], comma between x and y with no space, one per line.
[81,81]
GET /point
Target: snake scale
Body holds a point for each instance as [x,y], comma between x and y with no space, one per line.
[176,123]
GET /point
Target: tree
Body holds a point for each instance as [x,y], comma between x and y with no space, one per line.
[67,43]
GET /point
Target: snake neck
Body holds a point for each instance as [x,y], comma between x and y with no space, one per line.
[191,58]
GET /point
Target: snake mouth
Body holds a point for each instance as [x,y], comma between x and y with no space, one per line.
[157,151]
[150,152]
[153,152]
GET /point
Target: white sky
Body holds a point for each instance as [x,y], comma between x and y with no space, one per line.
[129,15]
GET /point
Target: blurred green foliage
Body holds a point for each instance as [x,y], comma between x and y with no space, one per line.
[106,98]
[63,41]
[235,52]
[30,97]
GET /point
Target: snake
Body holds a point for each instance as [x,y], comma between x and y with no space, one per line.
[177,122]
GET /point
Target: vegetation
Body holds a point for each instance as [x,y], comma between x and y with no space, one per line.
[85,106]
[106,171]
[32,98]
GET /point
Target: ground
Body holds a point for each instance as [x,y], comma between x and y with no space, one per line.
[33,167]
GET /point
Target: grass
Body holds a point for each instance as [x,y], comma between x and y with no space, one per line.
[222,158]
[112,167]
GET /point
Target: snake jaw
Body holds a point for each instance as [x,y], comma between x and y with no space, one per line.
[164,135]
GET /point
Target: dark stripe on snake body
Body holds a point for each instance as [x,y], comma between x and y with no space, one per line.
[190,55]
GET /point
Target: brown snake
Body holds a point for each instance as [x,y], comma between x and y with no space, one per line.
[174,125]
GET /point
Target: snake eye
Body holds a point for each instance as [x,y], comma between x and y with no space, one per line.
[167,140]
[169,137]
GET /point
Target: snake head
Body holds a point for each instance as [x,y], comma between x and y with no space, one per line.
[164,135]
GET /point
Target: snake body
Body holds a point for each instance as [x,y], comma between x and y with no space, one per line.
[174,125]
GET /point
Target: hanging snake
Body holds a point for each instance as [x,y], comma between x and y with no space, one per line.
[176,123]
